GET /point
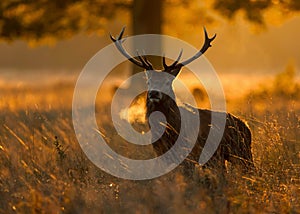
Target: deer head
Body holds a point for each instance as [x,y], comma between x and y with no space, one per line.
[158,78]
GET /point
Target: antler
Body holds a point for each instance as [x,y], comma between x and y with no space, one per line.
[176,65]
[204,48]
[142,62]
[170,67]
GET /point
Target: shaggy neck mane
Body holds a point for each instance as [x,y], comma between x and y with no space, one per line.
[165,106]
[169,108]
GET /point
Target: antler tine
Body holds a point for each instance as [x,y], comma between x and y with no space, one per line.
[148,63]
[118,42]
[121,33]
[204,48]
[145,61]
[174,63]
[178,58]
[119,37]
[112,38]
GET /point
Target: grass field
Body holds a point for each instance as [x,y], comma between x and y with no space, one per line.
[43,169]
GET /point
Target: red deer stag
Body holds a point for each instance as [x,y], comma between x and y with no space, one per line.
[235,146]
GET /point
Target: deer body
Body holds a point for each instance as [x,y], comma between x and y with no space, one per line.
[235,145]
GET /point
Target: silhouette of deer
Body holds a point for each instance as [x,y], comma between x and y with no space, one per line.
[235,146]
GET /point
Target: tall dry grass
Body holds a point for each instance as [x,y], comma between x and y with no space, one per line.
[43,169]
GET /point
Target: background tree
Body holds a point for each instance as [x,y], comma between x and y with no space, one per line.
[41,20]
[28,19]
[254,9]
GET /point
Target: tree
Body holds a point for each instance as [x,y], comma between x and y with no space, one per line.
[147,22]
[53,19]
[254,9]
[29,19]
[35,20]
[43,19]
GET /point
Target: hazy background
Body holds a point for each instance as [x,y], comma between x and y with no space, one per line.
[243,54]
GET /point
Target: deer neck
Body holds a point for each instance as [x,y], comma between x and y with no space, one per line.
[170,110]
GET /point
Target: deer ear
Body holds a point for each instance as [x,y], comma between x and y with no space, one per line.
[148,74]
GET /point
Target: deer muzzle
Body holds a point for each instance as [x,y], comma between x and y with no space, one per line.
[154,96]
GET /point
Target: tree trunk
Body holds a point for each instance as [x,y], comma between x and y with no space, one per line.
[147,19]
